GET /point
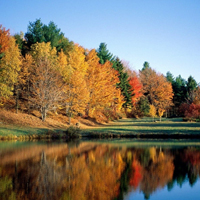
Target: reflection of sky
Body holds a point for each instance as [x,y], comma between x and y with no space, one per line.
[184,192]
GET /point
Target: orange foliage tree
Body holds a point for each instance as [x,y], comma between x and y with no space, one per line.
[10,65]
[4,40]
[101,83]
[156,87]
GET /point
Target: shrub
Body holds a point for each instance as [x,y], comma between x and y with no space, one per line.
[193,112]
[73,132]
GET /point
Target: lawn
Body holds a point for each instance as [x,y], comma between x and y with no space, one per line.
[146,127]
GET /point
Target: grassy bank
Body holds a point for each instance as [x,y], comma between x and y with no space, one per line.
[22,126]
[124,128]
[146,128]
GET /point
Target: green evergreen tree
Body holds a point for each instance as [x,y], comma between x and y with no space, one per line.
[144,105]
[104,54]
[170,77]
[124,83]
[191,84]
[39,32]
[180,91]
[145,66]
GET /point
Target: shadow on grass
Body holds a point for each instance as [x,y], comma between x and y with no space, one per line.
[148,119]
[162,124]
[143,131]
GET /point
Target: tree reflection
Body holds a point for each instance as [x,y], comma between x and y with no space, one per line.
[96,172]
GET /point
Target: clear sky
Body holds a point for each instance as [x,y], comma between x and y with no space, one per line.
[166,33]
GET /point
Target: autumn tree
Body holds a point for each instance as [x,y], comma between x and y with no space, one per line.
[47,84]
[136,89]
[24,82]
[101,83]
[123,84]
[4,40]
[152,111]
[73,69]
[156,88]
[160,112]
[10,65]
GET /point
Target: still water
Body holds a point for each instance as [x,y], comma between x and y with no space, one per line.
[100,170]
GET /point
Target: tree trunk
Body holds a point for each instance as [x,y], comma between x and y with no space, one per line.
[17,99]
[43,112]
[28,93]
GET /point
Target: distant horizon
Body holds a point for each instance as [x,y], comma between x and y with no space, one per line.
[165,34]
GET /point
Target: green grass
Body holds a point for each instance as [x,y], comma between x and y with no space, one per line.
[140,128]
[27,133]
[146,126]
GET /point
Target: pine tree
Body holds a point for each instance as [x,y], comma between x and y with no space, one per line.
[104,54]
[124,84]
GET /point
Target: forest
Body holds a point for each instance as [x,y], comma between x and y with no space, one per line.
[43,70]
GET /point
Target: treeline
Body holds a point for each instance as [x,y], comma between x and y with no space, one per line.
[43,70]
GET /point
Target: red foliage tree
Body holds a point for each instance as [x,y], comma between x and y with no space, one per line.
[136,88]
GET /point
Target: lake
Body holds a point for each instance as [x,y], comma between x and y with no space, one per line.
[100,170]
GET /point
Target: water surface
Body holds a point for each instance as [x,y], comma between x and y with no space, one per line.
[100,170]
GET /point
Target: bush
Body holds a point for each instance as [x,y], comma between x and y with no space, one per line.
[73,132]
[192,112]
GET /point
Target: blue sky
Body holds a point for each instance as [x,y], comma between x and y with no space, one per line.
[166,33]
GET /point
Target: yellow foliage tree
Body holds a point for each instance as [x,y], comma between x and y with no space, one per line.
[161,112]
[73,69]
[152,111]
[46,80]
[24,78]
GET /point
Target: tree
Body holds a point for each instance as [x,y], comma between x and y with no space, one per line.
[35,33]
[103,53]
[156,88]
[20,42]
[160,112]
[9,67]
[73,69]
[152,111]
[145,66]
[191,85]
[38,32]
[101,83]
[124,84]
[24,81]
[45,79]
[4,40]
[170,77]
[143,105]
[180,91]
[136,89]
